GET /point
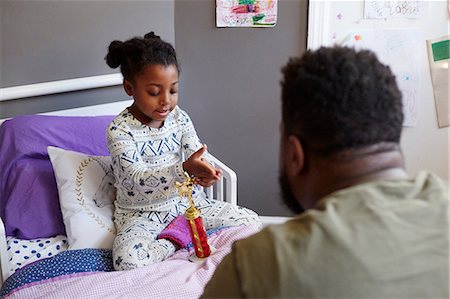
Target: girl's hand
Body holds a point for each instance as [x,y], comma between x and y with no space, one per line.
[204,173]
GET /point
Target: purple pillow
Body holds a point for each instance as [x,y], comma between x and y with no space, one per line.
[29,203]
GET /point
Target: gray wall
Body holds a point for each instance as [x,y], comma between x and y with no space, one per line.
[230,87]
[229,81]
[55,40]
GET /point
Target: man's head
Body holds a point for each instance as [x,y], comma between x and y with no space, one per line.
[335,100]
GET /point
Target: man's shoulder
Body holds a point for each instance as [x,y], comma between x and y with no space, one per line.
[272,238]
[424,186]
[263,259]
[429,181]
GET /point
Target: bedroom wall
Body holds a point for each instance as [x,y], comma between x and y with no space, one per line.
[230,87]
[44,41]
[229,80]
[425,145]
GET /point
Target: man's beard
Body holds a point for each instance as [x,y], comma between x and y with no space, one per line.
[287,196]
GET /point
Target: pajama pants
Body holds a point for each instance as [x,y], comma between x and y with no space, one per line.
[136,245]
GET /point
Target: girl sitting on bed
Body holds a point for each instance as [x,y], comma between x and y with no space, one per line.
[146,142]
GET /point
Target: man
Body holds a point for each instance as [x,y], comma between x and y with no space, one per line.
[364,230]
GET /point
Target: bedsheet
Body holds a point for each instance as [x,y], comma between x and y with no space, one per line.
[176,277]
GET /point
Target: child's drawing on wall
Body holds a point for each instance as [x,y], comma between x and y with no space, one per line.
[380,9]
[246,13]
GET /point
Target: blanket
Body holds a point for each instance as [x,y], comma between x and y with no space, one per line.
[89,274]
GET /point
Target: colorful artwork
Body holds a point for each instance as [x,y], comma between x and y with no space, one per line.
[381,9]
[246,13]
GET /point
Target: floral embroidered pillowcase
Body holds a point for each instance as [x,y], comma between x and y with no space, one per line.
[86,195]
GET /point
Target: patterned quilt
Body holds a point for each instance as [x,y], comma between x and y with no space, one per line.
[88,273]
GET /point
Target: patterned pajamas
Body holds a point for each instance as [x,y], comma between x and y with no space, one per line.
[136,244]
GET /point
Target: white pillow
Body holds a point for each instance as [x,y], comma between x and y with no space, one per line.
[86,195]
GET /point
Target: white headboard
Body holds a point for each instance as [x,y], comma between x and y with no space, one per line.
[101,109]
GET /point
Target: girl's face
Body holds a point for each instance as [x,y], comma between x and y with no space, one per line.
[155,93]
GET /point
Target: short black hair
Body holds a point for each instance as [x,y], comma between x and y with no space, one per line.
[338,98]
[136,53]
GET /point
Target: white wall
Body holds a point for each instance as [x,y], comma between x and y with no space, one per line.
[425,146]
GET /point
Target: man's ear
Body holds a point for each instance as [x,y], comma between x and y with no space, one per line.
[296,156]
[128,87]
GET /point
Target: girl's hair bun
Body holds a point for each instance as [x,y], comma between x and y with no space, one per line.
[114,56]
[135,54]
[152,35]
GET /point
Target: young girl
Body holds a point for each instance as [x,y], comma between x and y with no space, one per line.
[147,142]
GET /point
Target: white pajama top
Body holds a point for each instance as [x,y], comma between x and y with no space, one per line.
[147,161]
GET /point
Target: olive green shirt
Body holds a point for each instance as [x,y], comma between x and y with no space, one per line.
[385,239]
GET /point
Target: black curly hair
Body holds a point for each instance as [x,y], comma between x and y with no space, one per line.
[337,98]
[135,54]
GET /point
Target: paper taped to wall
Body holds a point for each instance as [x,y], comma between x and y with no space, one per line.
[246,13]
[380,9]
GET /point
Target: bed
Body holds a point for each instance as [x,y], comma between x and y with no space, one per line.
[56,228]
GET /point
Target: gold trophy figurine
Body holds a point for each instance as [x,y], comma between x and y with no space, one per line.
[192,215]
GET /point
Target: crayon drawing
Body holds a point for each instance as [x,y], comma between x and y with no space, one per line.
[246,13]
[380,9]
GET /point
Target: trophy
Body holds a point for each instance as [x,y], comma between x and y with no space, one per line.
[192,215]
